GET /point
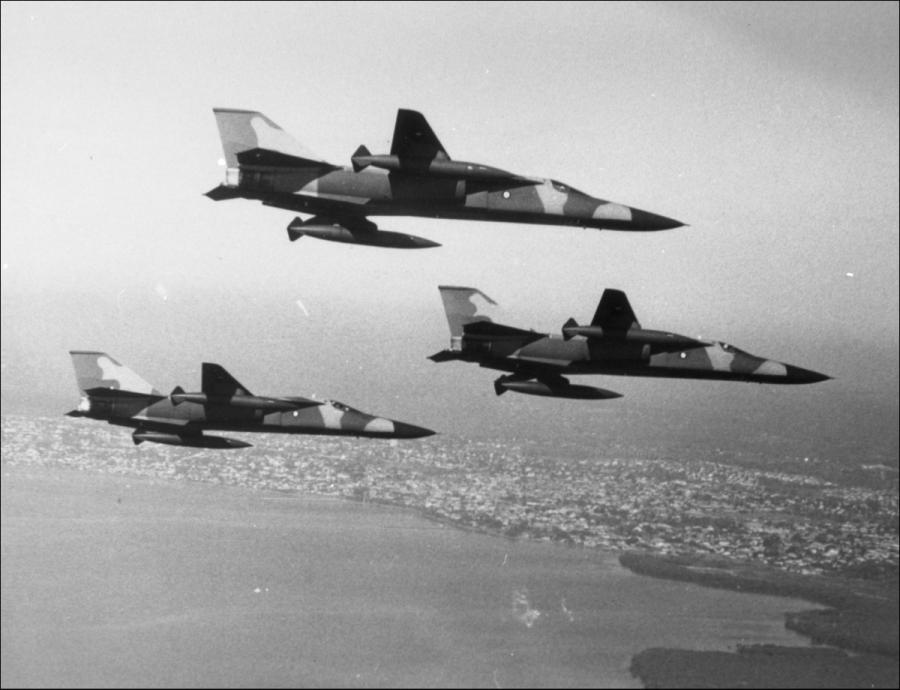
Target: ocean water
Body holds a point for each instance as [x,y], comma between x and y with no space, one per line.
[124,581]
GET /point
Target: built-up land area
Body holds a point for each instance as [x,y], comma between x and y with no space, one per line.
[795,519]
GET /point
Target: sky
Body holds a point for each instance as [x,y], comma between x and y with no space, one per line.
[771,129]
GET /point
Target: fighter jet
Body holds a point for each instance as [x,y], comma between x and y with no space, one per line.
[417,178]
[113,392]
[613,343]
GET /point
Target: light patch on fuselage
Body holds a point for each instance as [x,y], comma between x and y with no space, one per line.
[771,368]
[551,199]
[379,425]
[331,417]
[310,189]
[125,377]
[612,211]
[719,358]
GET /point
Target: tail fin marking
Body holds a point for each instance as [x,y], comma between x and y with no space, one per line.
[245,130]
[99,370]
[464,305]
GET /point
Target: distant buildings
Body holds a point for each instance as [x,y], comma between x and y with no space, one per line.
[794,521]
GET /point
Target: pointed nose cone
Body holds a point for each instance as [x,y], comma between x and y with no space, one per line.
[422,243]
[404,430]
[799,375]
[644,220]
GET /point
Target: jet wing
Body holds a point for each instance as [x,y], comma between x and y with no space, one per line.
[169,425]
[414,138]
[342,220]
[541,371]
[299,402]
[333,206]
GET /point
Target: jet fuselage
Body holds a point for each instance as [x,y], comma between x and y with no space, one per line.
[707,360]
[320,417]
[112,392]
[375,191]
[417,178]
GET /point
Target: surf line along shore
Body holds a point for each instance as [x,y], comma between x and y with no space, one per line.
[862,618]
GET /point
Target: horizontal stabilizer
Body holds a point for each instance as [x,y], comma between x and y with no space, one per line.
[571,323]
[223,192]
[445,356]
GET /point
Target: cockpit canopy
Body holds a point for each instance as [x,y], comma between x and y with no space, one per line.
[340,406]
[564,188]
[731,348]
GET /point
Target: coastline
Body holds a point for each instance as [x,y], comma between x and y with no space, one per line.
[107,574]
[473,491]
[861,618]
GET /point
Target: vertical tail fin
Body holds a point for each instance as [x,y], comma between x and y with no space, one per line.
[414,138]
[248,130]
[99,370]
[464,305]
[219,383]
[614,312]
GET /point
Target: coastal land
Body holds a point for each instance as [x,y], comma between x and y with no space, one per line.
[793,528]
[862,617]
[113,580]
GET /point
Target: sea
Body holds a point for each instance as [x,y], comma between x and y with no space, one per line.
[112,580]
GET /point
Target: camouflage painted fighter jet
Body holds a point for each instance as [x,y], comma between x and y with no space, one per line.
[115,393]
[614,343]
[417,178]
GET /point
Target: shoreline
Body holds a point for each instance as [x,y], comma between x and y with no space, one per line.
[858,620]
[108,571]
[861,619]
[862,614]
[843,596]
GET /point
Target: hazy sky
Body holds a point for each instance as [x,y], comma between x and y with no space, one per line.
[770,128]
